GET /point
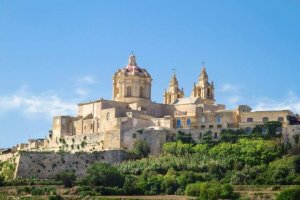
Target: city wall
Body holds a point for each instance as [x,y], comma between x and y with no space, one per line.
[45,165]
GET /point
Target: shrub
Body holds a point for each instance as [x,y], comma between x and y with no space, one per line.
[55,197]
[184,137]
[101,190]
[211,191]
[67,178]
[141,148]
[102,174]
[130,186]
[1,181]
[289,194]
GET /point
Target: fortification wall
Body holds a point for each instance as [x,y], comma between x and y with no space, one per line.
[45,165]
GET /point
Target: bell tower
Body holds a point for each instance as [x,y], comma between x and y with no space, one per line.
[173,93]
[204,89]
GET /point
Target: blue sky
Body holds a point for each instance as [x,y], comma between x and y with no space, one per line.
[55,54]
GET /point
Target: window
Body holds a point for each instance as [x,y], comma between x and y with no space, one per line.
[219,126]
[211,126]
[129,91]
[199,92]
[280,119]
[141,92]
[219,119]
[208,93]
[265,119]
[91,126]
[203,127]
[203,119]
[188,122]
[178,123]
[108,116]
[249,119]
[200,135]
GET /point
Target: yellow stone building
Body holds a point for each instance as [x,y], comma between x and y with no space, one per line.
[131,115]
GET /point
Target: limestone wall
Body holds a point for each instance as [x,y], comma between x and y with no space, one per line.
[6,157]
[45,165]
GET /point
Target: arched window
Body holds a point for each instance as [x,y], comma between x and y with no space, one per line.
[178,123]
[141,92]
[211,126]
[208,93]
[129,91]
[250,119]
[188,122]
[108,116]
[265,119]
[199,92]
[202,126]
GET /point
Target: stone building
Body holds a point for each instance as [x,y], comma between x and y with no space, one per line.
[131,115]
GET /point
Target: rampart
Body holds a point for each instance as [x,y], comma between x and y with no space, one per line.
[45,165]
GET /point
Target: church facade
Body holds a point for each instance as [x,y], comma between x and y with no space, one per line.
[131,115]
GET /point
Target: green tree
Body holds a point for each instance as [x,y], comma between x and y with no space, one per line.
[130,186]
[141,148]
[184,137]
[211,191]
[289,194]
[103,174]
[67,178]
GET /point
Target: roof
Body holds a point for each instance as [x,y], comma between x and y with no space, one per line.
[187,100]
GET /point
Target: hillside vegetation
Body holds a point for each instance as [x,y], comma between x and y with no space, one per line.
[208,170]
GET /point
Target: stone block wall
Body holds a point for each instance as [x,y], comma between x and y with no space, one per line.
[45,165]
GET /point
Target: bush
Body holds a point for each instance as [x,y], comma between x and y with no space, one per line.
[211,191]
[184,137]
[102,174]
[55,197]
[130,186]
[289,194]
[169,184]
[67,177]
[150,182]
[1,181]
[141,148]
[101,190]
[35,191]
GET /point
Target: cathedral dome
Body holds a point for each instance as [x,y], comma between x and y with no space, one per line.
[132,83]
[132,68]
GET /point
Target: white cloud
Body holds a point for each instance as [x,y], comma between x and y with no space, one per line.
[229,88]
[290,102]
[46,105]
[82,92]
[232,95]
[87,80]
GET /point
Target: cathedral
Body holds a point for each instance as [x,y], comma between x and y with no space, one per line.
[131,115]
